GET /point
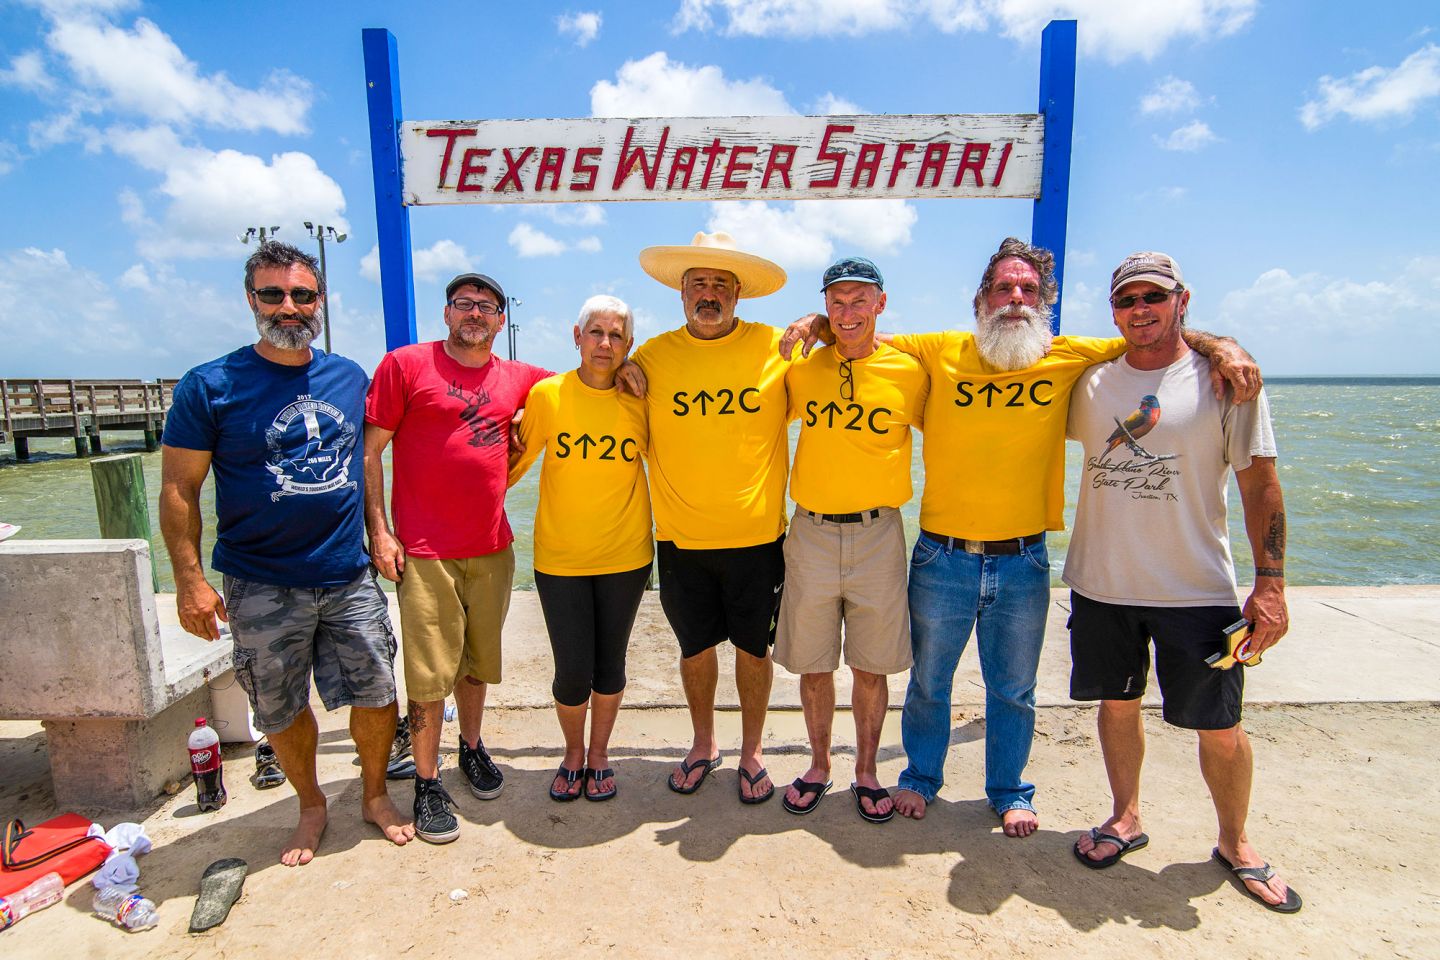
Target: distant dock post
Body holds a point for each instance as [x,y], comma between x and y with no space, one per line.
[121,502]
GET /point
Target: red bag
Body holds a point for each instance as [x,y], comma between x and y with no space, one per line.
[58,845]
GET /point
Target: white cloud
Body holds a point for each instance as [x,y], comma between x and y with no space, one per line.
[659,87]
[585,27]
[142,71]
[530,242]
[9,153]
[1188,138]
[1170,95]
[569,214]
[213,196]
[1377,93]
[137,278]
[1114,29]
[588,244]
[831,105]
[442,259]
[1282,302]
[27,71]
[806,235]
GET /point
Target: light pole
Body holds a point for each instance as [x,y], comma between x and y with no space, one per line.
[264,233]
[511,327]
[320,233]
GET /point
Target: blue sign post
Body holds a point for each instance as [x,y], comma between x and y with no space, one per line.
[468,161]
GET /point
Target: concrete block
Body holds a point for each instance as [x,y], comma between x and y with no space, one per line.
[113,763]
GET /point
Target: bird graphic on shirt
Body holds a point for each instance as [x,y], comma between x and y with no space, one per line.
[1135,426]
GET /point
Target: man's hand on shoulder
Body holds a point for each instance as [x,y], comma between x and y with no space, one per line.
[632,379]
[198,605]
[388,555]
[1229,363]
[806,331]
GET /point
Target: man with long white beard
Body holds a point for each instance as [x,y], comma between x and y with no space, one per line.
[994,483]
[280,424]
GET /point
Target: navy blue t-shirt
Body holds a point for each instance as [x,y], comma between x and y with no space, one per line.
[288,460]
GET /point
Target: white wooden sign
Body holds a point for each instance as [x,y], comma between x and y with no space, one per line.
[722,158]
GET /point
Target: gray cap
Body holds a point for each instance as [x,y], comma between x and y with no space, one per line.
[1156,268]
[478,280]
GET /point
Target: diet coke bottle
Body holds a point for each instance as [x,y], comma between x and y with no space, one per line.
[205,764]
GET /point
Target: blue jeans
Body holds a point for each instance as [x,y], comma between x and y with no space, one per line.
[1004,599]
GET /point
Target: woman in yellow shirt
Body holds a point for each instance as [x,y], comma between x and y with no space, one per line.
[593,545]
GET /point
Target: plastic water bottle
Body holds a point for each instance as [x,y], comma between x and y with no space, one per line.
[39,895]
[130,910]
[205,763]
[449,710]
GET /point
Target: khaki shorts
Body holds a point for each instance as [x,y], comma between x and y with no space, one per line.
[845,572]
[441,642]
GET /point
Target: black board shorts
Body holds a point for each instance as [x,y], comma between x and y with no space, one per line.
[733,593]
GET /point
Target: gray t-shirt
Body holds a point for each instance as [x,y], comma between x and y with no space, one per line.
[1150,528]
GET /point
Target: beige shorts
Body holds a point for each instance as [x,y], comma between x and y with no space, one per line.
[440,641]
[845,572]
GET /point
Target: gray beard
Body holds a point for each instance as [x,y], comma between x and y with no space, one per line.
[1011,346]
[288,338]
[473,341]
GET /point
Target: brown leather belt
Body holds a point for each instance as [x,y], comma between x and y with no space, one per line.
[985,547]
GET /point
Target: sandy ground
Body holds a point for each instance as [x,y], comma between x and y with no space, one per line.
[1343,805]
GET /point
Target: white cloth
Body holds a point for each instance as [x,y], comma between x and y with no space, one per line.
[127,841]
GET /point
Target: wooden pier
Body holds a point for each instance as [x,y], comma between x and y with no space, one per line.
[80,409]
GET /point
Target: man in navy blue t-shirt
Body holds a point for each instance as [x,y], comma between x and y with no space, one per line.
[280,424]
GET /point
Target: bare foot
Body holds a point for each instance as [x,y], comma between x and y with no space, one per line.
[910,804]
[1127,828]
[381,812]
[1273,891]
[300,848]
[1019,822]
[881,807]
[794,796]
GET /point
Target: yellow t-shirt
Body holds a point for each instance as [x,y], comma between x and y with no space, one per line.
[854,454]
[995,441]
[594,511]
[718,447]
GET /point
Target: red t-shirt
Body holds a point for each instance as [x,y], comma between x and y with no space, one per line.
[452,431]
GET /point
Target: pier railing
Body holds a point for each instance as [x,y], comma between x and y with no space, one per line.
[81,409]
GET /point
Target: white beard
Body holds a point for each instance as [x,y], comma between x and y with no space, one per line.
[1013,346]
[288,338]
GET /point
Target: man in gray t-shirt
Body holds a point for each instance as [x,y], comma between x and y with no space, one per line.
[1149,562]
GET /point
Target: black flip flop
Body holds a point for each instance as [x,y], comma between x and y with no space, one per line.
[874,796]
[595,776]
[1099,836]
[220,887]
[687,768]
[1263,874]
[571,776]
[806,787]
[753,779]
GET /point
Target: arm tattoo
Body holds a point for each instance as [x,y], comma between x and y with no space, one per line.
[417,716]
[1275,537]
[1270,571]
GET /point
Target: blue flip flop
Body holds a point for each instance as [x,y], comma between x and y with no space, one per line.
[688,768]
[805,788]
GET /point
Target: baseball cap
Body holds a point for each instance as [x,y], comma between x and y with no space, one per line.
[857,269]
[477,279]
[1156,268]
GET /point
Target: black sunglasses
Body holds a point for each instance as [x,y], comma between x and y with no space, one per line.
[847,381]
[1153,297]
[299,295]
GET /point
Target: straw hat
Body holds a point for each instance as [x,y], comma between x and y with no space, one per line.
[758,276]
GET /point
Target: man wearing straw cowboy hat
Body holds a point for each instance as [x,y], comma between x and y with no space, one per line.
[718,453]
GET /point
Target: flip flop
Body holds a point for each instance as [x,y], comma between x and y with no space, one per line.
[1099,836]
[1263,874]
[595,776]
[806,787]
[874,796]
[687,768]
[220,887]
[571,777]
[753,779]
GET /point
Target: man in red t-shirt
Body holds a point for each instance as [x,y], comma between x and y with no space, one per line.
[448,406]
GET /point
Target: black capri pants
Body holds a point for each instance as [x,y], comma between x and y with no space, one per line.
[589,620]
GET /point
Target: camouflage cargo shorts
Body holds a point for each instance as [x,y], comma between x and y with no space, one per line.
[284,635]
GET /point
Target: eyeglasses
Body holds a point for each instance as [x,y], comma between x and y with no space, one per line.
[465,305]
[847,381]
[1153,297]
[299,295]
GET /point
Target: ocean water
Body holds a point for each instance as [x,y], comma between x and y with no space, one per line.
[1359,462]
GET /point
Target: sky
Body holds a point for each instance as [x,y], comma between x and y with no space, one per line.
[1285,153]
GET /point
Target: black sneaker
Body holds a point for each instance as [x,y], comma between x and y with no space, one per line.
[434,823]
[485,778]
[267,767]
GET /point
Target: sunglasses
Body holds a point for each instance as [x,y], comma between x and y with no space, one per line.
[847,381]
[301,296]
[1153,297]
